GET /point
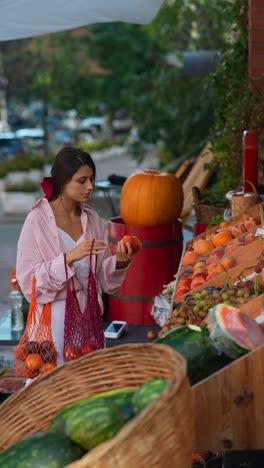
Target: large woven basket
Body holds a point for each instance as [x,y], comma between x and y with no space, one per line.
[161,436]
[241,201]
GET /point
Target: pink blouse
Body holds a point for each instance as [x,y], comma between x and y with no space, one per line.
[39,253]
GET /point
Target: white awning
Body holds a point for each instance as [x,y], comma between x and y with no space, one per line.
[27,18]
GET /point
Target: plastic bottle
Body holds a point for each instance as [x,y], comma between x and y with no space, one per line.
[15,301]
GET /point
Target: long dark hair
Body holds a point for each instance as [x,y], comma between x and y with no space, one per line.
[68,161]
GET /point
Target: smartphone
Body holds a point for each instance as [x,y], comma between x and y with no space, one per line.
[115,329]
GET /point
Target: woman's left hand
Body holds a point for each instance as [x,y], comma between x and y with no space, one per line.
[123,255]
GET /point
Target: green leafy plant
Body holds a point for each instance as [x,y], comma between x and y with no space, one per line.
[238,105]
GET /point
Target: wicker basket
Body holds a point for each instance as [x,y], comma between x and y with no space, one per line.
[204,212]
[161,436]
[241,201]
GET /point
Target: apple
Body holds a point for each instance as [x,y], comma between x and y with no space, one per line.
[48,366]
[228,262]
[197,282]
[180,292]
[133,241]
[71,352]
[250,237]
[184,282]
[87,348]
[250,223]
[20,352]
[212,275]
[199,271]
[199,276]
[34,362]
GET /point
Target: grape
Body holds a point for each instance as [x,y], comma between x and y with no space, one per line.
[202,313]
[197,296]
[224,296]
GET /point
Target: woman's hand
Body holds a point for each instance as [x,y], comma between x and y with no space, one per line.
[123,255]
[83,250]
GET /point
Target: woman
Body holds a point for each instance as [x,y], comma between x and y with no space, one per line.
[62,224]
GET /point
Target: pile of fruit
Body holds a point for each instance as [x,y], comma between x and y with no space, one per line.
[193,309]
[229,335]
[81,426]
[35,358]
[206,258]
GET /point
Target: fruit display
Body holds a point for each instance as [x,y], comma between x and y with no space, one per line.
[151,197]
[193,309]
[229,335]
[206,259]
[193,343]
[82,426]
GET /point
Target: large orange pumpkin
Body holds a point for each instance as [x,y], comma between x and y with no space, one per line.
[151,197]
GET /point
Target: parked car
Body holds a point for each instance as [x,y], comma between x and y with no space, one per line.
[10,146]
[33,138]
[93,125]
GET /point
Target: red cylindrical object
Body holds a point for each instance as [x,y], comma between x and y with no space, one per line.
[199,228]
[250,160]
[151,268]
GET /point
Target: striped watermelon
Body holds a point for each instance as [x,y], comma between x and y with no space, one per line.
[232,332]
[43,450]
[121,397]
[148,392]
[192,341]
[93,423]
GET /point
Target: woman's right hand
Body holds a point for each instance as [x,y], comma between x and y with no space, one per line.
[83,250]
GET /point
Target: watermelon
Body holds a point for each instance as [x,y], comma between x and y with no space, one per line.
[41,449]
[148,392]
[121,397]
[192,341]
[232,332]
[92,422]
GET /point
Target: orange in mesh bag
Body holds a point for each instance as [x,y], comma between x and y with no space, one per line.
[35,352]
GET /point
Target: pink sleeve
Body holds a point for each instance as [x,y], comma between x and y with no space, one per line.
[110,278]
[50,275]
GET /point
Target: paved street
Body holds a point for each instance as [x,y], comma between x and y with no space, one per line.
[10,226]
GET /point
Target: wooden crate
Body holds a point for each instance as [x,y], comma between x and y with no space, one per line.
[246,257]
[256,211]
[229,406]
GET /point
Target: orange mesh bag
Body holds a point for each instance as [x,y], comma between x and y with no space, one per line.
[36,353]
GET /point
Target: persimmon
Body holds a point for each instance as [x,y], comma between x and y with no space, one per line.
[71,352]
[33,362]
[48,366]
[221,238]
[203,246]
[151,334]
[87,348]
